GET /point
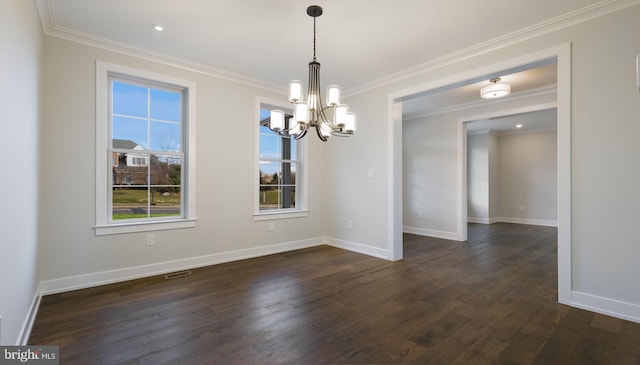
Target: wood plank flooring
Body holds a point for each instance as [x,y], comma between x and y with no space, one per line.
[491,300]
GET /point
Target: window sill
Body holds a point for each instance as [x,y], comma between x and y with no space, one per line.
[266,216]
[144,226]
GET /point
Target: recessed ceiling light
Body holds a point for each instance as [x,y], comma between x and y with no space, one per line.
[519,126]
[157,27]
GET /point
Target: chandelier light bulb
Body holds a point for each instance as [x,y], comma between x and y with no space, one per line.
[301,113]
[295,91]
[333,95]
[276,122]
[350,124]
[340,115]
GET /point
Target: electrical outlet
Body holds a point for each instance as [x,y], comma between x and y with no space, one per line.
[420,214]
[151,239]
[371,174]
[272,226]
[349,224]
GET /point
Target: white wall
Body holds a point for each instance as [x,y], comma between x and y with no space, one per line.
[604,128]
[528,178]
[427,176]
[20,52]
[513,178]
[494,177]
[478,183]
[72,255]
[430,157]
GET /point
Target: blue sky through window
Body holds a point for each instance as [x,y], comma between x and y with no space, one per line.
[149,117]
[271,147]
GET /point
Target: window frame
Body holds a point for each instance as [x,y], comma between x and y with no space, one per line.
[301,208]
[104,224]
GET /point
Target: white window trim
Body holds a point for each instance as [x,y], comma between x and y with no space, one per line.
[103,157]
[298,212]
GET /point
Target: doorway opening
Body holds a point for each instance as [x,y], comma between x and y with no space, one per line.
[560,56]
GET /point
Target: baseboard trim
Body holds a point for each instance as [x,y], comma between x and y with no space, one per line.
[108,277]
[532,222]
[29,321]
[606,306]
[432,233]
[359,248]
[481,220]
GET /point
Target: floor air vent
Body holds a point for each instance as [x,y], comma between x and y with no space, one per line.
[179,274]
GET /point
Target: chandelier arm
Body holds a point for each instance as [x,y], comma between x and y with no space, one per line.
[323,138]
[299,136]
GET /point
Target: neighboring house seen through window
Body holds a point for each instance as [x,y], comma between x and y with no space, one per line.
[146,131]
[147,121]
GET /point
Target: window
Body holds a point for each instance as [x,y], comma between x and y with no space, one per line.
[143,122]
[280,190]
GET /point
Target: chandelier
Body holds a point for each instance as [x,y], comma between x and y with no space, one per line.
[313,113]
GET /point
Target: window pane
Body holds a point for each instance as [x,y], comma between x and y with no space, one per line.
[270,173]
[165,105]
[288,173]
[278,164]
[288,196]
[269,198]
[165,170]
[129,133]
[165,202]
[294,149]
[272,197]
[129,99]
[165,136]
[131,169]
[270,146]
[130,202]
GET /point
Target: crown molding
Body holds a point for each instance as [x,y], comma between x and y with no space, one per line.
[551,89]
[497,133]
[50,28]
[561,22]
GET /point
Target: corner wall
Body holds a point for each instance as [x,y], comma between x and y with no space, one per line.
[20,65]
[528,178]
[513,179]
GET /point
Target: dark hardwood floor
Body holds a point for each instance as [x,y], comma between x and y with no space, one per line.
[490,300]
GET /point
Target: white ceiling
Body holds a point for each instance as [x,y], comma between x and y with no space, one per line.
[531,121]
[359,42]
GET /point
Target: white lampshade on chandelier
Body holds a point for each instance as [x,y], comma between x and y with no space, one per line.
[313,112]
[495,89]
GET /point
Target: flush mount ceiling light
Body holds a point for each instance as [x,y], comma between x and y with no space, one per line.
[313,113]
[495,89]
[158,27]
